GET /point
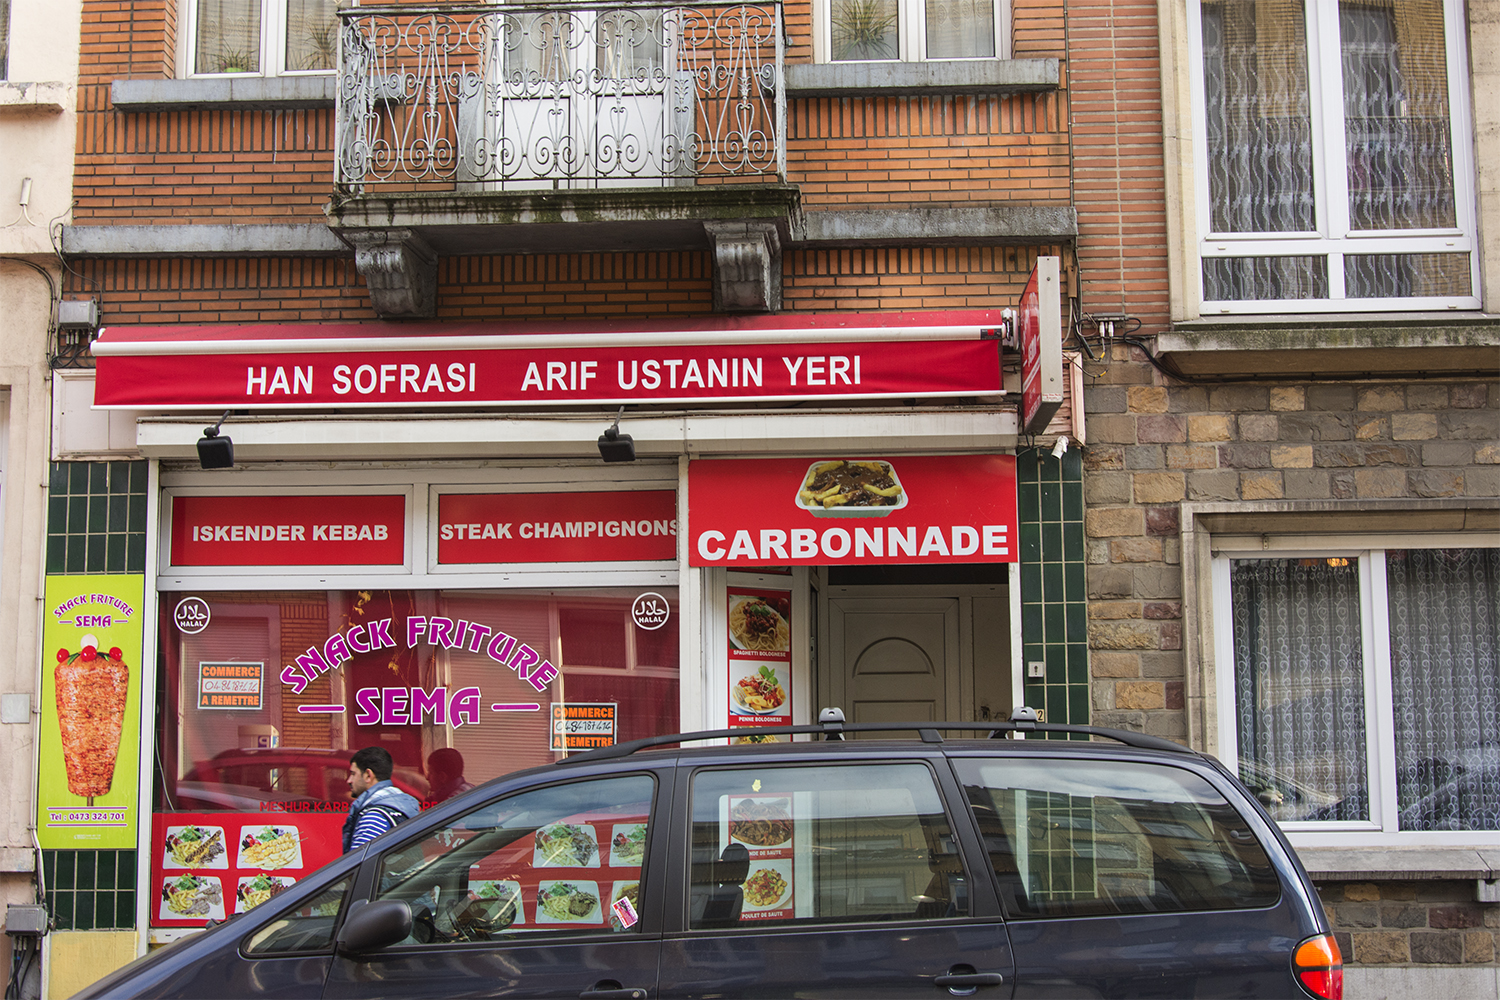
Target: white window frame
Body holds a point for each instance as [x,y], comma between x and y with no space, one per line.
[273,21]
[1333,238]
[911,34]
[1380,830]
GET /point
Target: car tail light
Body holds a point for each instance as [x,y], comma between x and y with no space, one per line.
[1319,967]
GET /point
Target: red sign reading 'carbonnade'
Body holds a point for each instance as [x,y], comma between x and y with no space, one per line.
[322,530]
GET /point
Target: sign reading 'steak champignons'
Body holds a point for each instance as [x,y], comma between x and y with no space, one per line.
[480,528]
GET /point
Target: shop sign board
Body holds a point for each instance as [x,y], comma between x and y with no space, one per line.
[353,374]
[210,866]
[90,712]
[584,725]
[230,686]
[760,658]
[310,530]
[854,511]
[479,528]
[1040,327]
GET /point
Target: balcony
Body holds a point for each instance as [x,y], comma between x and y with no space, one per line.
[561,127]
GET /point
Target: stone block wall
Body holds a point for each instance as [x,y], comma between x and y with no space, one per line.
[1411,923]
[1153,445]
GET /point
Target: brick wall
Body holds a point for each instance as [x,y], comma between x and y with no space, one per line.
[1114,81]
[1411,923]
[929,151]
[538,286]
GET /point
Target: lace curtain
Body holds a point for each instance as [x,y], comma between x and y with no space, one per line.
[1445,670]
[228,37]
[1299,685]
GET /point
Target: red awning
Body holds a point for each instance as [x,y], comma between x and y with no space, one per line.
[699,360]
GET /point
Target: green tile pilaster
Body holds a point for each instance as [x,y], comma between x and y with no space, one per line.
[1054,597]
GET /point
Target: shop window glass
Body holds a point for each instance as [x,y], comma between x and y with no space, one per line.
[822,845]
[559,859]
[1084,838]
[265,705]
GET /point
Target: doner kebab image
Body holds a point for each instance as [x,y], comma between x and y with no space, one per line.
[91,690]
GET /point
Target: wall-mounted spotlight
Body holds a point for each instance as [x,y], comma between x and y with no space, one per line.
[614,446]
[1061,447]
[215,451]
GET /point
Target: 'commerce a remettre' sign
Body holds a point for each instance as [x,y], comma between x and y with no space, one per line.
[856,510]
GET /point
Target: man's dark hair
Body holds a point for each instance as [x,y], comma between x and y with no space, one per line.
[377,759]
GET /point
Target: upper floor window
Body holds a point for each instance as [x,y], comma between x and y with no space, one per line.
[4,39]
[911,30]
[1333,161]
[263,37]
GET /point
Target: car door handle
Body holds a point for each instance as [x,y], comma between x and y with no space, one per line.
[969,979]
[612,991]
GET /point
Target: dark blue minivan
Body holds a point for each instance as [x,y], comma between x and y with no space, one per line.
[821,866]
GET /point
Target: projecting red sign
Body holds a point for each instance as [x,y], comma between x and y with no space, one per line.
[358,530]
[852,511]
[556,527]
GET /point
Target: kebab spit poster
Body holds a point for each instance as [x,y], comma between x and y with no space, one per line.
[90,712]
[760,659]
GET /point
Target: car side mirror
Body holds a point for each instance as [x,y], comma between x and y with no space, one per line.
[373,926]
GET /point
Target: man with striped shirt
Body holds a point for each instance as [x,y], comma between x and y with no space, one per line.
[378,804]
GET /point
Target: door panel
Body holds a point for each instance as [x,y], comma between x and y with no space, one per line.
[897,659]
[826,880]
[1130,879]
[516,898]
[1224,954]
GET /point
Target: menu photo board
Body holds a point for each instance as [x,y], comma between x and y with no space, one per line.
[762,824]
[584,870]
[210,866]
[89,759]
[760,659]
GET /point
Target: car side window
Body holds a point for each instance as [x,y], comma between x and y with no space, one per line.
[307,927]
[566,858]
[822,844]
[1085,838]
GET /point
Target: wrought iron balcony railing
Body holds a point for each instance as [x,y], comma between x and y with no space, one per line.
[559,96]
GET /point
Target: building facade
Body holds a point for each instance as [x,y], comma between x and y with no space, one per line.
[784,237]
[1291,479]
[402,263]
[38,69]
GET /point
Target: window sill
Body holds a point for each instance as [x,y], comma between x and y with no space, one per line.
[241,93]
[967,76]
[32,98]
[1333,864]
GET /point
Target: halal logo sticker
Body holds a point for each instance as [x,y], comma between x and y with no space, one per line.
[650,611]
[191,615]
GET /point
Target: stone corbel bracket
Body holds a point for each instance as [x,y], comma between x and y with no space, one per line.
[400,270]
[747,266]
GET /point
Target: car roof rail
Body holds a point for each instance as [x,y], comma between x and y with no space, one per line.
[832,727]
